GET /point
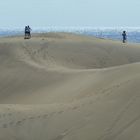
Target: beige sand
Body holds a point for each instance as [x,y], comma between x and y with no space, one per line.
[60,86]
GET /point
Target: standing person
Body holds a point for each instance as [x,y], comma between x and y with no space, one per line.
[124,36]
[29,31]
[26,32]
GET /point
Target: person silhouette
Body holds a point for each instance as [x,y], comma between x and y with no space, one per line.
[124,36]
[27,32]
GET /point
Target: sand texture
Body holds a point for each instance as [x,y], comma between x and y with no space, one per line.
[61,86]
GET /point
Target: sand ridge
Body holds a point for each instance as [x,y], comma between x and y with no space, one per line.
[62,86]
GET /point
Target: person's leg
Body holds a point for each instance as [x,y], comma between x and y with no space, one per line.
[25,35]
[124,39]
[29,34]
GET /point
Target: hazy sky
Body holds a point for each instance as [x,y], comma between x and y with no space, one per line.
[96,13]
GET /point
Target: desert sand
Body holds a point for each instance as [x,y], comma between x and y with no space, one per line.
[61,86]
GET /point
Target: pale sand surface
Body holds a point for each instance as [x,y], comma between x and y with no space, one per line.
[60,86]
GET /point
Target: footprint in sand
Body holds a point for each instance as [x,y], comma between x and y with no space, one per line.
[60,112]
[11,123]
[31,118]
[45,116]
[60,137]
[9,114]
[75,107]
[23,119]
[39,116]
[52,113]
[4,126]
[18,122]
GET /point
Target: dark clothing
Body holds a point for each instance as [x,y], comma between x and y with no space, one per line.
[27,32]
[124,37]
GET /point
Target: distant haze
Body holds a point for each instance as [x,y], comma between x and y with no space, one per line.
[95,13]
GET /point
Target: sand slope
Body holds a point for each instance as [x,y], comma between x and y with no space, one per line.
[60,86]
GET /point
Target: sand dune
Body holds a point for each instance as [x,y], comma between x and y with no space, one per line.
[61,86]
